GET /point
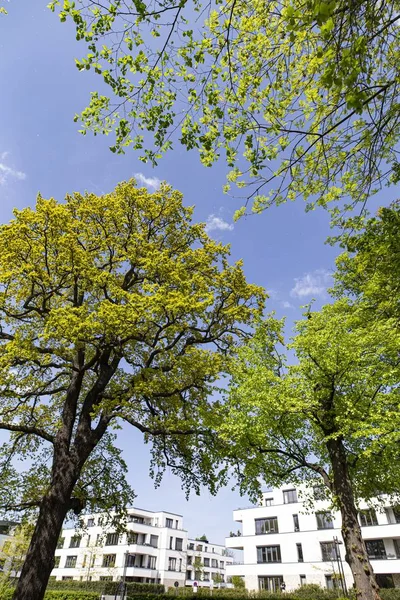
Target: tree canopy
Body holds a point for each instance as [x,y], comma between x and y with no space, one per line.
[300,98]
[332,417]
[114,309]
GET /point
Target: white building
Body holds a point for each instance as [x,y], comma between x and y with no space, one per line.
[283,542]
[156,549]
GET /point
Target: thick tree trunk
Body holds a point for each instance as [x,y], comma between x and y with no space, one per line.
[39,561]
[366,587]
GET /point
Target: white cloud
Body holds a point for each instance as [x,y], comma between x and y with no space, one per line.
[311,284]
[217,223]
[150,182]
[286,304]
[7,172]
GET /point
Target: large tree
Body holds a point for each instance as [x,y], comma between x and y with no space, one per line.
[332,418]
[113,309]
[301,97]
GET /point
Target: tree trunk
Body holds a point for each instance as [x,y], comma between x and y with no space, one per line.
[39,560]
[366,587]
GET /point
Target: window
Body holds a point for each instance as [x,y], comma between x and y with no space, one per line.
[214,563]
[269,501]
[90,523]
[132,537]
[60,543]
[206,576]
[93,560]
[396,544]
[189,575]
[179,544]
[375,549]
[171,543]
[112,539]
[136,519]
[299,552]
[205,548]
[66,578]
[221,564]
[98,539]
[151,562]
[105,578]
[289,496]
[197,574]
[319,492]
[296,522]
[328,551]
[324,520]
[180,565]
[169,523]
[154,541]
[176,524]
[70,562]
[189,561]
[329,582]
[130,560]
[269,525]
[367,517]
[75,542]
[206,562]
[199,548]
[303,580]
[271,584]
[267,554]
[109,560]
[191,547]
[57,561]
[84,560]
[214,576]
[171,564]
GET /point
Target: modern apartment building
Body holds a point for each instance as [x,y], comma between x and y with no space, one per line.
[155,549]
[286,545]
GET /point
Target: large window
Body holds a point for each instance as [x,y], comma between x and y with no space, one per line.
[90,523]
[328,551]
[178,544]
[132,537]
[268,525]
[206,562]
[271,584]
[324,520]
[154,541]
[151,562]
[75,542]
[368,517]
[70,562]
[375,549]
[214,563]
[109,560]
[268,554]
[269,501]
[171,564]
[169,523]
[112,539]
[289,496]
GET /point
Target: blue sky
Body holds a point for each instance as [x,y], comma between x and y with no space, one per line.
[41,150]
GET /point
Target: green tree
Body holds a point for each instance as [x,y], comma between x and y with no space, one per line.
[332,417]
[113,309]
[12,555]
[238,582]
[301,99]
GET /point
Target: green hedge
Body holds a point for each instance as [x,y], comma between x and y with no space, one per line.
[60,595]
[108,587]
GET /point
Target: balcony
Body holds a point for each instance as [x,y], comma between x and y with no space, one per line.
[236,543]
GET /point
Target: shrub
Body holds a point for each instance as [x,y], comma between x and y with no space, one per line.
[60,595]
[108,587]
[390,593]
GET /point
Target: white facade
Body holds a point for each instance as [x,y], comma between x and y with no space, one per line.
[283,542]
[154,550]
[206,563]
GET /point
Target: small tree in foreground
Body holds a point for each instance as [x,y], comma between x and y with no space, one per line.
[113,309]
[238,582]
[12,555]
[333,417]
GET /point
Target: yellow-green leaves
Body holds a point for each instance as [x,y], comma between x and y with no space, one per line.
[253,76]
[124,300]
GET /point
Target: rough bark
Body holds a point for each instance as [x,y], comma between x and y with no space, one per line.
[366,587]
[39,561]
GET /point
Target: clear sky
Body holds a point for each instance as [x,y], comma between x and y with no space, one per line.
[41,150]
